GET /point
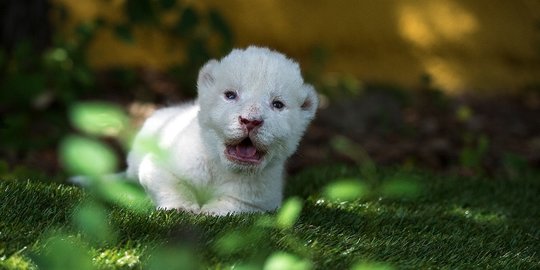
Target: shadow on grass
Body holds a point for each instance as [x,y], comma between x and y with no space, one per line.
[414,236]
[456,221]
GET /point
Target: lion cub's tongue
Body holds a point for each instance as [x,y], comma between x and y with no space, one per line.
[246,151]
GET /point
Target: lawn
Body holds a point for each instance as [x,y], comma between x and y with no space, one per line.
[393,219]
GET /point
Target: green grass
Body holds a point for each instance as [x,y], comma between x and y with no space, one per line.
[441,222]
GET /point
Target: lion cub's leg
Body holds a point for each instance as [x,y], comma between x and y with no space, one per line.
[166,190]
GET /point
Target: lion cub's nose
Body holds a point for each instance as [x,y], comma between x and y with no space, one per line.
[250,124]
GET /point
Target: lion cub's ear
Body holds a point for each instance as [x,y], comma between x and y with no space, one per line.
[206,74]
[311,102]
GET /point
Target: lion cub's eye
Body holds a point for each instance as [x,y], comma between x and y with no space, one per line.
[278,104]
[230,95]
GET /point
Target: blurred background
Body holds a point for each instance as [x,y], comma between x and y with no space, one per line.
[444,85]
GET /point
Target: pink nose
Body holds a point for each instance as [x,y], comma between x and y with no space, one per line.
[250,124]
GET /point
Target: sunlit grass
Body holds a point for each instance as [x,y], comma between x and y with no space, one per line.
[118,258]
[338,217]
[451,223]
[15,261]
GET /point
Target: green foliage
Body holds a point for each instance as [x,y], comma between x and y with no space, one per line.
[173,258]
[35,88]
[288,213]
[346,190]
[38,87]
[401,186]
[98,118]
[205,34]
[398,186]
[122,193]
[91,219]
[87,156]
[285,261]
[339,217]
[63,252]
[90,157]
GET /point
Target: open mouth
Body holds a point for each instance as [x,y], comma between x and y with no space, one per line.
[244,152]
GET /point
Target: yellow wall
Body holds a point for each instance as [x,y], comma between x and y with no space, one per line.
[463,44]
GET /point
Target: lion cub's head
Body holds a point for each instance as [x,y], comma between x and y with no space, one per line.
[255,106]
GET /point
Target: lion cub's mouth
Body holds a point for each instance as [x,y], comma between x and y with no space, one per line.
[244,152]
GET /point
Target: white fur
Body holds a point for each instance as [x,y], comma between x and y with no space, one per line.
[188,167]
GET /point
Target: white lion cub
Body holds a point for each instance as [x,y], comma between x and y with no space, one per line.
[225,152]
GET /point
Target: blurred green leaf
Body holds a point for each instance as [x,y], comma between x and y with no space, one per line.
[265,222]
[346,190]
[235,241]
[231,242]
[85,156]
[150,145]
[286,261]
[173,258]
[58,55]
[64,252]
[92,220]
[98,118]
[401,187]
[289,212]
[125,194]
